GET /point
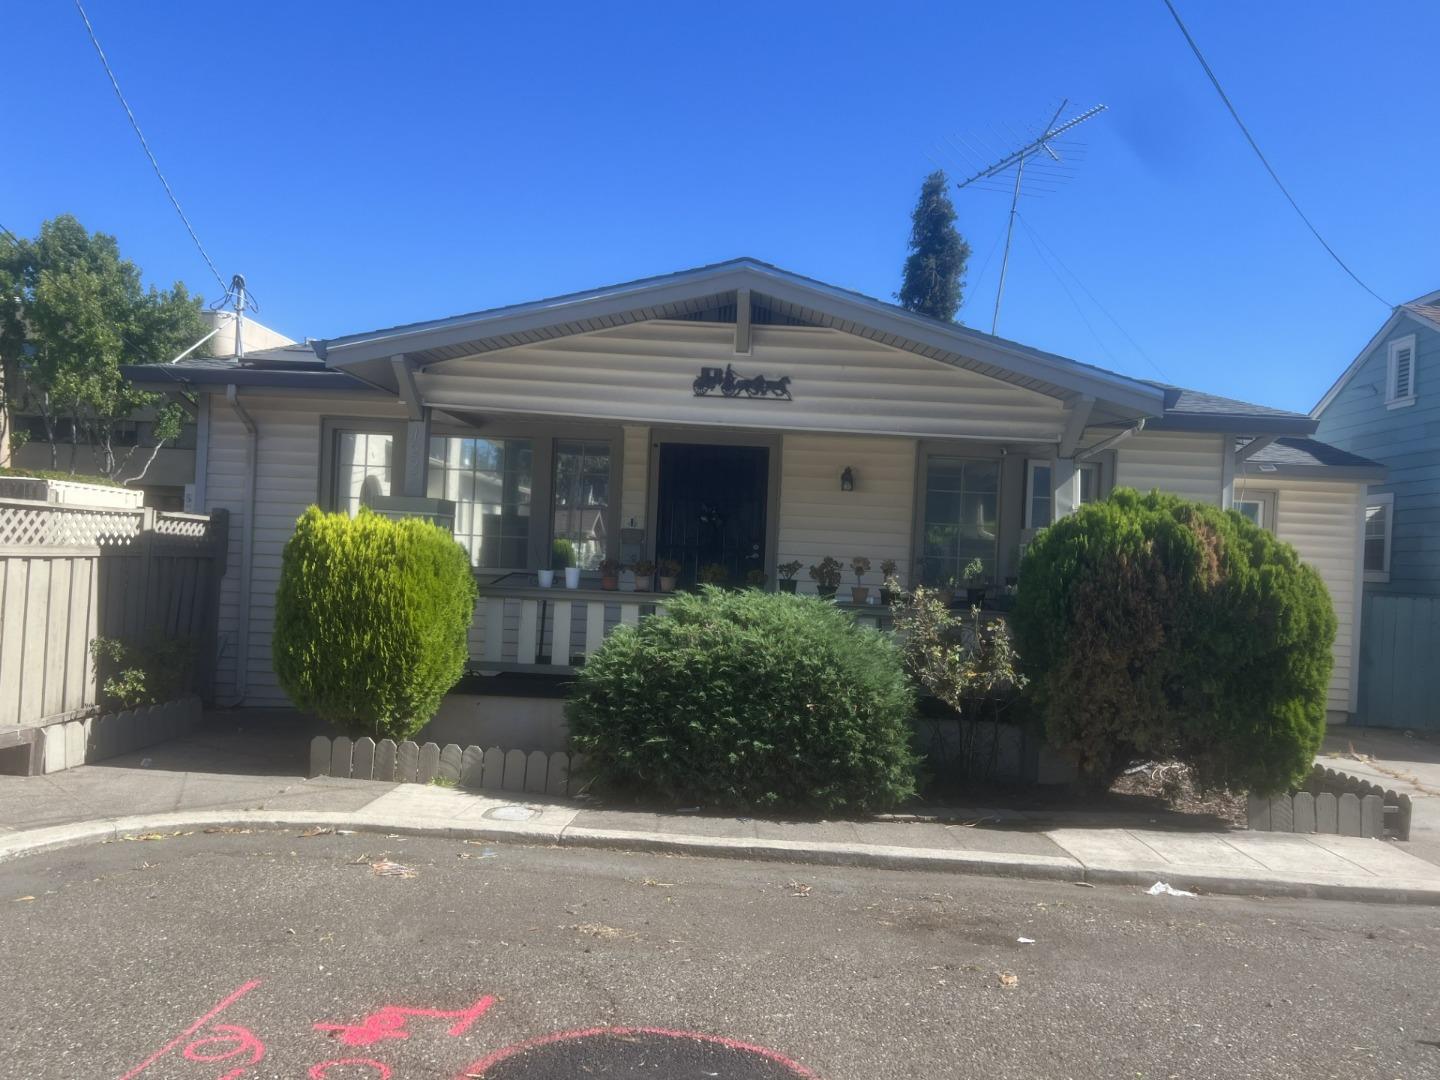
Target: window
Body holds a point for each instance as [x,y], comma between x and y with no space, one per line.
[962,513]
[1379,516]
[364,466]
[1400,383]
[1040,489]
[491,482]
[581,497]
[1259,507]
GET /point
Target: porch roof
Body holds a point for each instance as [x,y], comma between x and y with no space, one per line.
[709,293]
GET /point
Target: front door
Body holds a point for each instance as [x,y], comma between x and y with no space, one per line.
[711,508]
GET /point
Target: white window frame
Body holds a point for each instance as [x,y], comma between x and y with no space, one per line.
[1031,464]
[1387,500]
[1268,506]
[1392,370]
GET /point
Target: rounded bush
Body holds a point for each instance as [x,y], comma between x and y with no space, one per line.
[749,700]
[1155,628]
[371,619]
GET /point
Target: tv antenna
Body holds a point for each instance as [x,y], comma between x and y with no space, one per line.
[1016,160]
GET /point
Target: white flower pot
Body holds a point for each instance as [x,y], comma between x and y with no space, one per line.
[572,577]
[547,578]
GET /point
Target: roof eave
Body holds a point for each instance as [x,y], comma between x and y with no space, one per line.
[1364,473]
[1235,424]
[156,376]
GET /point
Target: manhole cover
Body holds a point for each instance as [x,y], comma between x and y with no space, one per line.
[633,1054]
[512,812]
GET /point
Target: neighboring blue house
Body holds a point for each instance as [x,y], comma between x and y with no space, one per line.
[1386,406]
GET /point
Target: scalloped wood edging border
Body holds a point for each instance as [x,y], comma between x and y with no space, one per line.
[1333,802]
[513,771]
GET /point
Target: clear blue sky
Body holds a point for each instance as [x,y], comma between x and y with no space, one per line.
[366,164]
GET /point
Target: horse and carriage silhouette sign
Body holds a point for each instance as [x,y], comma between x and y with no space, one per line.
[732,385]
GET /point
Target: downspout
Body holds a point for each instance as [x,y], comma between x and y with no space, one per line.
[247,543]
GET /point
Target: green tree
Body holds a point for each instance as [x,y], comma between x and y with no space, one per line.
[935,268]
[71,312]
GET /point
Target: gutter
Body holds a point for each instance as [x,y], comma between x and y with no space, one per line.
[247,545]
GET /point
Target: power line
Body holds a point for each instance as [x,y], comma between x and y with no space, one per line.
[1214,81]
[146,146]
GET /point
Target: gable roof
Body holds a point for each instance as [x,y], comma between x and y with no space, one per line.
[1423,309]
[781,295]
[1305,457]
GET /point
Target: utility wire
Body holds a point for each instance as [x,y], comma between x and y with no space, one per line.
[146,146]
[1260,154]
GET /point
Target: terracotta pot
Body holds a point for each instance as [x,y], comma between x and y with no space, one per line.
[788,584]
[667,584]
[644,582]
[859,593]
[610,583]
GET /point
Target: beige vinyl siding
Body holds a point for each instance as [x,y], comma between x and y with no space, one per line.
[818,519]
[287,480]
[1181,463]
[644,373]
[634,477]
[1322,520]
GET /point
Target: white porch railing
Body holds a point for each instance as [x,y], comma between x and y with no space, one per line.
[524,628]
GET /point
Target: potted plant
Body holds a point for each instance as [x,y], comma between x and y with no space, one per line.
[826,576]
[788,570]
[669,571]
[562,557]
[859,592]
[756,579]
[975,582]
[714,574]
[610,574]
[890,581]
[644,575]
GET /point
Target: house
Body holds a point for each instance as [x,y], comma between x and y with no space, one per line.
[168,479]
[735,414]
[1386,405]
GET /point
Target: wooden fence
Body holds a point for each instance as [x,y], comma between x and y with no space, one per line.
[1399,679]
[69,574]
[1334,802]
[514,771]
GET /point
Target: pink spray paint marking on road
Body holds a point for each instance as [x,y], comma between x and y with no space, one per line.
[389,1022]
[196,1026]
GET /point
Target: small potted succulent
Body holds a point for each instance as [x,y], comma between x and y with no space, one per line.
[788,570]
[756,579]
[714,573]
[975,582]
[826,575]
[890,581]
[669,572]
[859,592]
[562,557]
[644,575]
[610,574]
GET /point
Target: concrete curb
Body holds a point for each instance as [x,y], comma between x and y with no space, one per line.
[993,864]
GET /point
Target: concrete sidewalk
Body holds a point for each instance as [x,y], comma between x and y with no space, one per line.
[133,796]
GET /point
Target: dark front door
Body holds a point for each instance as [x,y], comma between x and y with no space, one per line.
[711,508]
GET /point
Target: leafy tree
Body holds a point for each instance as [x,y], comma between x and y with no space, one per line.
[935,268]
[71,312]
[1153,628]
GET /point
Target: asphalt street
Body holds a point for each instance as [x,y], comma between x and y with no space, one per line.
[243,956]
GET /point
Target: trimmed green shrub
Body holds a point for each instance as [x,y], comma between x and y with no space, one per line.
[371,620]
[749,700]
[1155,628]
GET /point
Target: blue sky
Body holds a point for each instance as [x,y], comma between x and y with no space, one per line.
[366,164]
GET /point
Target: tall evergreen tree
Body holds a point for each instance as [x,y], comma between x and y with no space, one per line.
[935,268]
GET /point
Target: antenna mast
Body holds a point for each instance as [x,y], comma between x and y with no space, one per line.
[1017,159]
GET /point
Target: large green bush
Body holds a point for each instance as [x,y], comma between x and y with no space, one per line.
[749,700]
[1154,628]
[371,620]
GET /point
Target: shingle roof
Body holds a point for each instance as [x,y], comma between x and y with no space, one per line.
[1178,400]
[1310,453]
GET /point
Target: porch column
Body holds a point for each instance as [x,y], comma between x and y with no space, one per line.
[417,456]
[1065,487]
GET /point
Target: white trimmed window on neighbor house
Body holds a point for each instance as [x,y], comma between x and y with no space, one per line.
[1400,373]
[1379,523]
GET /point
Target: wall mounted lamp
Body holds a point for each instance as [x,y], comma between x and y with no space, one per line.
[847,479]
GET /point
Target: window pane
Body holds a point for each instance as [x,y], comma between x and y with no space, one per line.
[961,517]
[1376,521]
[1089,483]
[363,466]
[489,481]
[1252,509]
[581,498]
[1039,496]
